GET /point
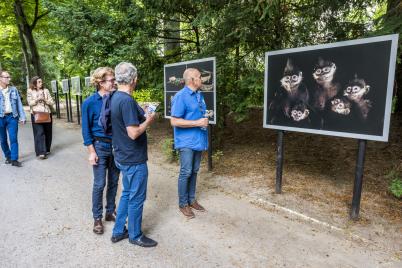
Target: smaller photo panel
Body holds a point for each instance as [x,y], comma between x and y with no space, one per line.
[65,86]
[76,85]
[54,86]
[174,82]
[87,81]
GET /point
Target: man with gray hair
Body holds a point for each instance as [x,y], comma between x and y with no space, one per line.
[129,124]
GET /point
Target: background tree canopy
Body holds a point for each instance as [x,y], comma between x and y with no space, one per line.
[64,38]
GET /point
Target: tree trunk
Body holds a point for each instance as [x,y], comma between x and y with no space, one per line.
[26,30]
[24,52]
[172,46]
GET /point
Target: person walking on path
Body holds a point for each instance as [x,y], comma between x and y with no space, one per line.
[11,111]
[129,123]
[40,100]
[99,145]
[190,138]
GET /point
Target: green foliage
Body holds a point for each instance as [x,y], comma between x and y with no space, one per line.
[148,95]
[394,104]
[78,36]
[168,151]
[217,155]
[395,185]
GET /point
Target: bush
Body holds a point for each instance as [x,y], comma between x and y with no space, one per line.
[395,185]
[168,151]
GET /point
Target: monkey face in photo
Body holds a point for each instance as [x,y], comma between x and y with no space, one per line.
[292,77]
[324,71]
[340,106]
[299,112]
[356,89]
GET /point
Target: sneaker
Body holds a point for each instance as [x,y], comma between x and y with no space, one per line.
[98,226]
[118,238]
[42,157]
[8,161]
[16,163]
[186,210]
[197,206]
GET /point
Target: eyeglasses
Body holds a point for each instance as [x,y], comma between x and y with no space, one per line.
[110,80]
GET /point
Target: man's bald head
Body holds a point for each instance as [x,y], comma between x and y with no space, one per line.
[189,74]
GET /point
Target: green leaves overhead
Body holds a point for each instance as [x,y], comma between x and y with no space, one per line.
[78,36]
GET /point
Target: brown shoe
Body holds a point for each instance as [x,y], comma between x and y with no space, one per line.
[110,216]
[98,226]
[186,210]
[197,206]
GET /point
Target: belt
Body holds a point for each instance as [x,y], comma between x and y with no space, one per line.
[103,139]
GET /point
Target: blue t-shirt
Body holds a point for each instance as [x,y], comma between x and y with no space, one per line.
[126,112]
[189,105]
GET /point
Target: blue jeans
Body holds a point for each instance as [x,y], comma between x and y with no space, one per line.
[135,178]
[189,165]
[9,124]
[105,165]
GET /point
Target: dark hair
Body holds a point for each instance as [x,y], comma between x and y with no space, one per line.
[33,83]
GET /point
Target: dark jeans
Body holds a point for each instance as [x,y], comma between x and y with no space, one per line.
[105,165]
[132,199]
[189,165]
[9,124]
[42,136]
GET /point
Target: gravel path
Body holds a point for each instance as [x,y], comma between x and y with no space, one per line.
[45,208]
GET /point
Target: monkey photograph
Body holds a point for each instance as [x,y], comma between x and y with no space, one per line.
[334,89]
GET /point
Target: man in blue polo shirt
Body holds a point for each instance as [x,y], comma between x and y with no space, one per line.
[99,147]
[190,138]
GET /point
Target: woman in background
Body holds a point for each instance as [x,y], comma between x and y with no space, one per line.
[40,100]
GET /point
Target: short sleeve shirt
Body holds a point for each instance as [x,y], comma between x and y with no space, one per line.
[189,105]
[125,112]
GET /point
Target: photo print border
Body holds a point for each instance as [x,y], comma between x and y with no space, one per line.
[304,87]
[172,86]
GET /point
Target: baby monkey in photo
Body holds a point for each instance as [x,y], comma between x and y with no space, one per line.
[355,91]
[341,106]
[299,112]
[326,88]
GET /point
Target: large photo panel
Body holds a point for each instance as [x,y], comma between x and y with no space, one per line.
[340,89]
[174,82]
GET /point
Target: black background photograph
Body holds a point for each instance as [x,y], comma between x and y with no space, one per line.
[174,82]
[343,88]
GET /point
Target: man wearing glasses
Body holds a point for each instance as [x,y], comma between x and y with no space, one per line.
[190,138]
[99,145]
[11,111]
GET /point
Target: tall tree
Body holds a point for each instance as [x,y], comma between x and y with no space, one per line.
[25,30]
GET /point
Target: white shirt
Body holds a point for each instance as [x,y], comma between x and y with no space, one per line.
[7,102]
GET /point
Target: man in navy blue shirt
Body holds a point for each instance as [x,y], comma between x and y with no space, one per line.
[100,150]
[190,138]
[129,123]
